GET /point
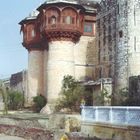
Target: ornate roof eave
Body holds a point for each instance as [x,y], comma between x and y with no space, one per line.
[91,11]
[64,1]
[76,4]
[27,19]
[32,16]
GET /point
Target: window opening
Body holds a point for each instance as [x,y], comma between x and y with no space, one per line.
[68,20]
[88,28]
[53,20]
[33,33]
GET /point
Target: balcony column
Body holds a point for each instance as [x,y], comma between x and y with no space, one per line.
[61,17]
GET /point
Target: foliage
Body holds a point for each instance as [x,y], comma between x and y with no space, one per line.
[124,98]
[103,98]
[71,94]
[15,100]
[4,94]
[129,99]
[120,97]
[39,102]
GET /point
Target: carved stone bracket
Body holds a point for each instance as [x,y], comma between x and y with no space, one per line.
[63,35]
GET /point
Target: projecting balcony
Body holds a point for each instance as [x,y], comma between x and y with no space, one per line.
[62,32]
[63,27]
[31,42]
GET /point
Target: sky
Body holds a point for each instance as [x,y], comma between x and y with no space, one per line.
[13,56]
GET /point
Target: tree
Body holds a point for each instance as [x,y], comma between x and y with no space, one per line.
[71,94]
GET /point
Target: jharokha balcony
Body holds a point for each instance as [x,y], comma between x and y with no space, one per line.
[59,21]
[62,32]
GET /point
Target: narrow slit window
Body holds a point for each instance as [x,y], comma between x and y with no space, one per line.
[121,34]
[33,33]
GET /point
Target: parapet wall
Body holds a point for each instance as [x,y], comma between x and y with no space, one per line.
[117,123]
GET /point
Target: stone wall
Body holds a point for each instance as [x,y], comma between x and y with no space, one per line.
[45,72]
[121,50]
[18,82]
[35,74]
[133,37]
[106,131]
[85,53]
[118,40]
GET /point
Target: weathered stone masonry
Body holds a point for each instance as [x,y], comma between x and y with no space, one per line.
[117,30]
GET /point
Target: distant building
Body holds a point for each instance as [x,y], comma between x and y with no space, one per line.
[5,82]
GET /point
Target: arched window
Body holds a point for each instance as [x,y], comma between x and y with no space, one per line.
[68,20]
[52,20]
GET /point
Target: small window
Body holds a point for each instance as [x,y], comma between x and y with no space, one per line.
[68,20]
[121,34]
[53,20]
[88,28]
[33,33]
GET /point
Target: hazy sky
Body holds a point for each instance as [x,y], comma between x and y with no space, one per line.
[13,57]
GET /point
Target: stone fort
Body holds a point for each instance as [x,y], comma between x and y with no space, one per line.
[96,42]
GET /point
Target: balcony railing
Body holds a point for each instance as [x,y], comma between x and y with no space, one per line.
[114,115]
[62,27]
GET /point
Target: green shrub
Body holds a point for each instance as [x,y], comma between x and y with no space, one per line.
[15,100]
[71,95]
[39,102]
[103,98]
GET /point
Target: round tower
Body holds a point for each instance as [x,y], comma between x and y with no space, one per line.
[32,42]
[62,26]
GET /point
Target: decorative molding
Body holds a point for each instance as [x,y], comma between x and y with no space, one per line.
[63,36]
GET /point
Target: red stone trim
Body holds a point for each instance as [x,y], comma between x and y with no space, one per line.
[33,46]
[62,36]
